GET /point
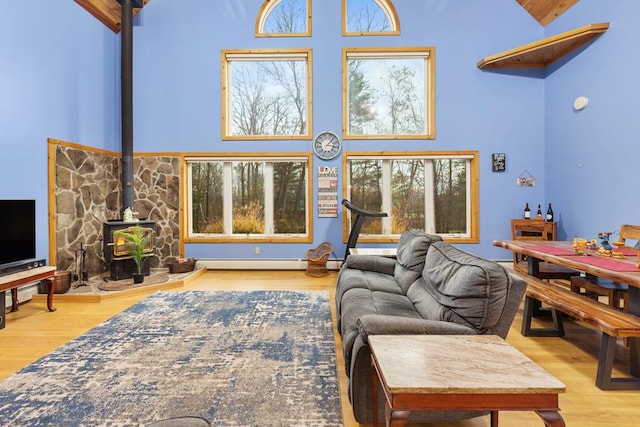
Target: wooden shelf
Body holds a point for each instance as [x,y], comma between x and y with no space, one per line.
[543,52]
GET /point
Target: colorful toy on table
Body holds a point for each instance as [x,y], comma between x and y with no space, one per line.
[604,239]
[605,247]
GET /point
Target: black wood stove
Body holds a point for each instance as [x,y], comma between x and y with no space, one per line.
[114,249]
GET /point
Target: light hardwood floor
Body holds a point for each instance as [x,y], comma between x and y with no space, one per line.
[33,332]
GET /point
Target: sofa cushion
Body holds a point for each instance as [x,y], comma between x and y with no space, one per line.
[459,287]
[350,278]
[412,249]
[358,302]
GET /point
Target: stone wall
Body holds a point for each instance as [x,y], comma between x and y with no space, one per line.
[87,192]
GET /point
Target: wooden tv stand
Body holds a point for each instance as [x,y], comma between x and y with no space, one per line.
[14,280]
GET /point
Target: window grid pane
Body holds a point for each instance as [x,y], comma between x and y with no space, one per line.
[248,198]
[388,93]
[433,193]
[266,94]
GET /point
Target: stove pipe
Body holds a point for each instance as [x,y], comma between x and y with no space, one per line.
[126,83]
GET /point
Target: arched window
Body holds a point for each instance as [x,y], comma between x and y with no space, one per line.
[369,17]
[284,18]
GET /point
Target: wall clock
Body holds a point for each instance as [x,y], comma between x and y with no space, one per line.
[327,145]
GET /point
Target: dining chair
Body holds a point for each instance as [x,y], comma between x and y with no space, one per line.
[537,229]
[595,287]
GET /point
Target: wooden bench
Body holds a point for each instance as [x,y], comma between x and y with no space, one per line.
[612,322]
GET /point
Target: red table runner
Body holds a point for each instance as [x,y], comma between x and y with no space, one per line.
[609,263]
[555,250]
[551,250]
[626,251]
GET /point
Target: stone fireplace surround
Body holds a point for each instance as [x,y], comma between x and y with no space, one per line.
[85,190]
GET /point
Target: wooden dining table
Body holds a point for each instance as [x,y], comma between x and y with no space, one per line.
[624,270]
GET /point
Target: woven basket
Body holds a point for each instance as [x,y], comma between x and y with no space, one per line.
[317,260]
[62,283]
[182,267]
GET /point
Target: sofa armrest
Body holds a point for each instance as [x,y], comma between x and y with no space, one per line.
[378,324]
[374,263]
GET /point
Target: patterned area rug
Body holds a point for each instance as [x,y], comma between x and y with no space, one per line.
[262,358]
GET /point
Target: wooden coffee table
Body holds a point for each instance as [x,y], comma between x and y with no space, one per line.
[458,372]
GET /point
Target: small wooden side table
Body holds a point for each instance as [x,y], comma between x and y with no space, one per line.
[459,372]
[13,280]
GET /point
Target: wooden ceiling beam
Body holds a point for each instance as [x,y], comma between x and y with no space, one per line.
[107,11]
[545,11]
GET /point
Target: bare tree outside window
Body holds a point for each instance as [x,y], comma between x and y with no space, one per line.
[365,191]
[241,198]
[268,95]
[408,194]
[450,185]
[287,17]
[366,16]
[248,198]
[388,93]
[206,197]
[369,17]
[433,192]
[284,18]
[290,210]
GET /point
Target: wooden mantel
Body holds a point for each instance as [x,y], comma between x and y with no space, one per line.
[541,53]
[107,11]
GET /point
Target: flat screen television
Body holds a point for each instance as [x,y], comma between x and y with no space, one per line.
[17,231]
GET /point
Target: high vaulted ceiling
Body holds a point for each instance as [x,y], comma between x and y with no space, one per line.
[107,11]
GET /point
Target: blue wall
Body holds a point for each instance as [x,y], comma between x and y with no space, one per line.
[177,94]
[60,71]
[57,79]
[592,155]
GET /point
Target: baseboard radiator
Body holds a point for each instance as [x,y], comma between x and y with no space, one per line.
[24,294]
[261,264]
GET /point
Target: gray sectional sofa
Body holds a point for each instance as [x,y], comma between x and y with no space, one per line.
[431,288]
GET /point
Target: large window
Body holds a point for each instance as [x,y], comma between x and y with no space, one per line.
[266,94]
[389,93]
[436,192]
[252,198]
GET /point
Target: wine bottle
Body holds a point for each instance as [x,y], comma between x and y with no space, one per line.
[539,213]
[549,214]
[527,212]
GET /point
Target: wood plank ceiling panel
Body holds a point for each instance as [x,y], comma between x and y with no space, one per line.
[545,11]
[107,11]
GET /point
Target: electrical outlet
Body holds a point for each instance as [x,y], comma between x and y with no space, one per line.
[257,250]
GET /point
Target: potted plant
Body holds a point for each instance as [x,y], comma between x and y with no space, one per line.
[137,243]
